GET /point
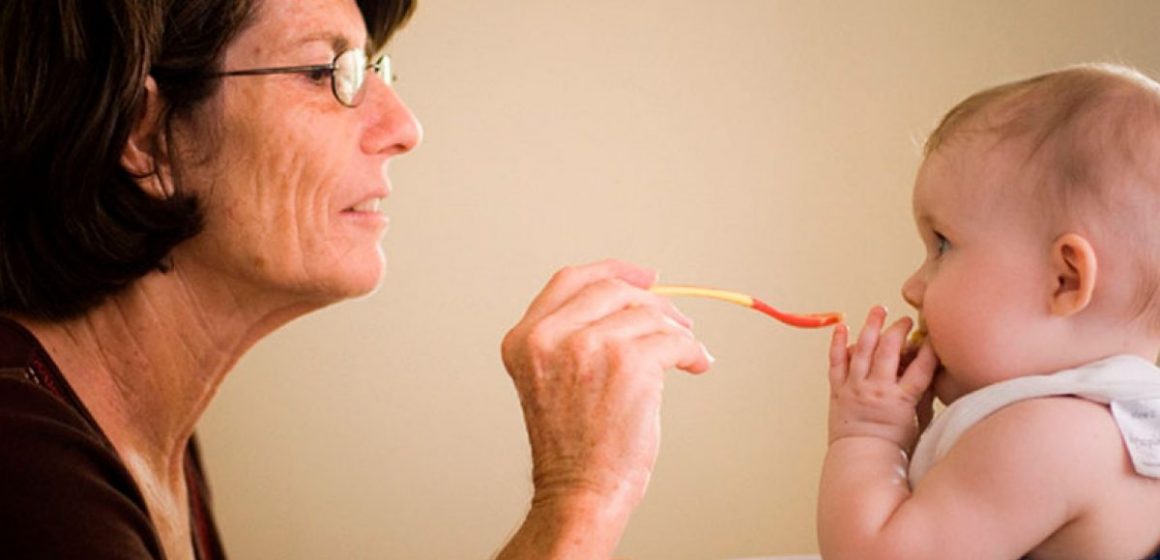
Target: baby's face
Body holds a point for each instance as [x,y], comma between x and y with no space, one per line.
[982,282]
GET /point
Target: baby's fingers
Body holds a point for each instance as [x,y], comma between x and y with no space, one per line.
[888,354]
[839,355]
[860,358]
[918,375]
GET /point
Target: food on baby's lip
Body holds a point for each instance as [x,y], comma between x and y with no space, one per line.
[913,343]
[917,336]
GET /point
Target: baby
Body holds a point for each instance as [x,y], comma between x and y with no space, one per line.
[1039,206]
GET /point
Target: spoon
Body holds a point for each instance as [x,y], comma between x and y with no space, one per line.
[805,321]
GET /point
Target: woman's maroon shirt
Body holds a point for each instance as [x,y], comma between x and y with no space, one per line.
[64,491]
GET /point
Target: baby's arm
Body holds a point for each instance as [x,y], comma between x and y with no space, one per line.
[1005,487]
[872,424]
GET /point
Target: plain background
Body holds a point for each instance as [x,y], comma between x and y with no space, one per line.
[765,146]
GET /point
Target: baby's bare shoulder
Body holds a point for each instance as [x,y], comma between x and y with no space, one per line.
[1055,450]
[1072,448]
[1069,436]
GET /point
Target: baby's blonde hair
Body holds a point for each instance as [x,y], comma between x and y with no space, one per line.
[1091,134]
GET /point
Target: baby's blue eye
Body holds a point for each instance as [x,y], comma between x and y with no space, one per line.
[942,244]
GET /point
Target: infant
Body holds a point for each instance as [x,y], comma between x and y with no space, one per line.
[1037,202]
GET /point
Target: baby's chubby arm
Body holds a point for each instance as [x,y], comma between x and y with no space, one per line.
[965,506]
[872,422]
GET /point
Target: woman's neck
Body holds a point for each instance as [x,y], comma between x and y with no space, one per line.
[147,361]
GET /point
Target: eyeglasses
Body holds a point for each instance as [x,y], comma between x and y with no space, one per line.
[347,74]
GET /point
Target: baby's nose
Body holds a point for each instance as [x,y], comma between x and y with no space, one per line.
[912,290]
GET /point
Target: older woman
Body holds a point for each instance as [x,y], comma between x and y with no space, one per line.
[180,178]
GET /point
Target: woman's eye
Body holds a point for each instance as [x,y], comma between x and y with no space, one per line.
[320,74]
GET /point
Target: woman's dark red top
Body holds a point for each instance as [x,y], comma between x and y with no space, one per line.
[64,491]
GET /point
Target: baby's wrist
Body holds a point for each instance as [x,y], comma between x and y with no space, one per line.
[899,436]
[878,445]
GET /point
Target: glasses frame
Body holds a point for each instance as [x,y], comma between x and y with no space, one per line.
[380,66]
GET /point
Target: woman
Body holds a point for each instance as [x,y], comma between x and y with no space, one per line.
[180,178]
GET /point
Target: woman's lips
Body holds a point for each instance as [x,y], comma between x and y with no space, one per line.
[367,214]
[370,206]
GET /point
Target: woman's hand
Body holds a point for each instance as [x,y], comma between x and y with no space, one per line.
[874,390]
[588,360]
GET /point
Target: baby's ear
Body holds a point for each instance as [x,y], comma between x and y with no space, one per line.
[1073,262]
[144,153]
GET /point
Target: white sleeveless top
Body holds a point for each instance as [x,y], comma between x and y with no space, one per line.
[1130,385]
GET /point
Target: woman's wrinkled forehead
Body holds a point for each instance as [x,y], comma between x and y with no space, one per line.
[292,26]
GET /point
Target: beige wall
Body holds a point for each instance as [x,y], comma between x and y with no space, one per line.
[758,145]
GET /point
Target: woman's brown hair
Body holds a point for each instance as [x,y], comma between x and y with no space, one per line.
[75,227]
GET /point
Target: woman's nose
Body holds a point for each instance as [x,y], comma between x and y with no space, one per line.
[394,129]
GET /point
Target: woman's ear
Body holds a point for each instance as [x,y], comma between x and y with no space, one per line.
[144,155]
[1073,262]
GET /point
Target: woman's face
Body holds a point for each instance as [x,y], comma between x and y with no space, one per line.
[291,181]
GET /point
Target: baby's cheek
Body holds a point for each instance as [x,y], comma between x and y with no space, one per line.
[953,346]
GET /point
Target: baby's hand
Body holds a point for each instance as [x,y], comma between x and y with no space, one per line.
[869,396]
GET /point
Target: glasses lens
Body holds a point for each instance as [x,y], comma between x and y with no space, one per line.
[382,68]
[350,69]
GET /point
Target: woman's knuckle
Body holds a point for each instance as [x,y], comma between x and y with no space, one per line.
[623,356]
[608,285]
[561,277]
[508,347]
[537,340]
[582,343]
[512,338]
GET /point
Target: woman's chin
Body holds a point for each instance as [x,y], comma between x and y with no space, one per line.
[366,281]
[354,280]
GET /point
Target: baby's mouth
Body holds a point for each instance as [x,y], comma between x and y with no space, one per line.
[913,343]
[917,336]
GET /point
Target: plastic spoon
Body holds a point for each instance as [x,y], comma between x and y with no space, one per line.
[805,321]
